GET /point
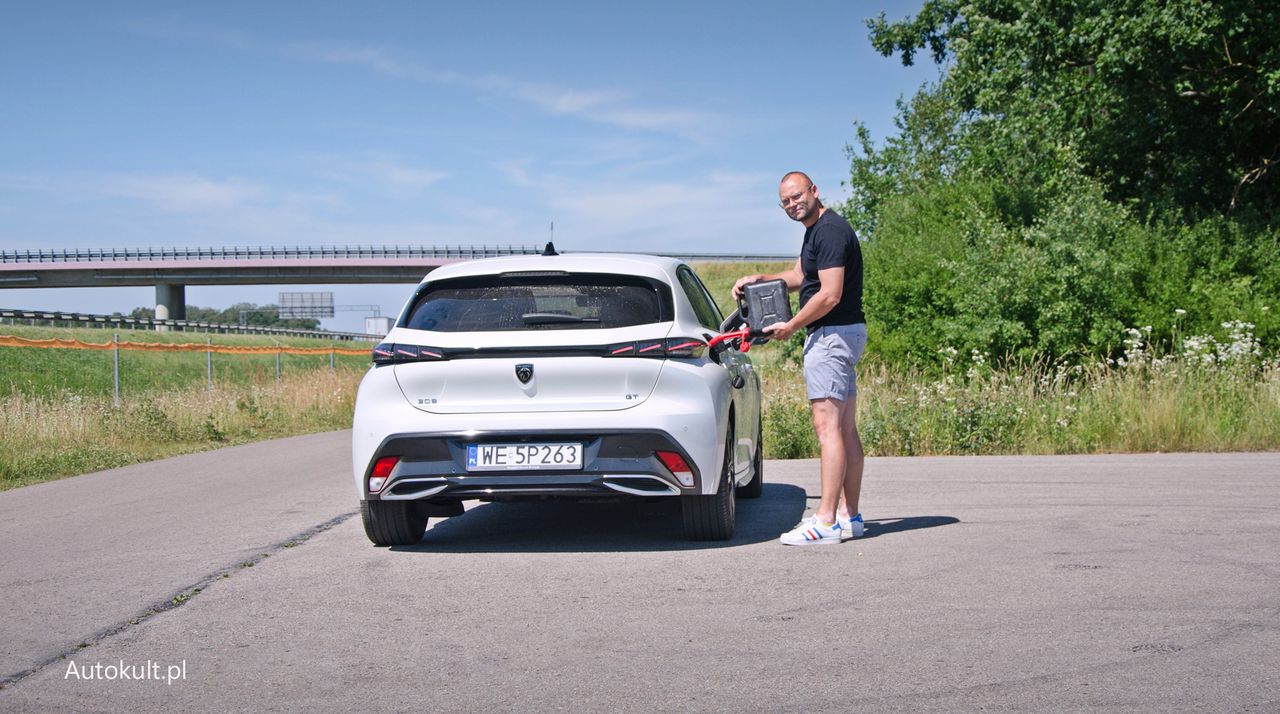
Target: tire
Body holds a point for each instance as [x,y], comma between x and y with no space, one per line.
[392,522]
[755,487]
[712,517]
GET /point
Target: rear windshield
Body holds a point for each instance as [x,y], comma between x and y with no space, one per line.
[516,301]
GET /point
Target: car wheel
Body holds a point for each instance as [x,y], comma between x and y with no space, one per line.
[712,517]
[755,487]
[392,522]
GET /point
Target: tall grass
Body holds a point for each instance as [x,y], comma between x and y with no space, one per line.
[48,436]
[1204,397]
[58,417]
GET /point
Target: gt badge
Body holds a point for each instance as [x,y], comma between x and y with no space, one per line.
[524,373]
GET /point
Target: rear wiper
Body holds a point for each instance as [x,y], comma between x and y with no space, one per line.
[549,318]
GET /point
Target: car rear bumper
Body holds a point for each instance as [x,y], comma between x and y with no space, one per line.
[689,411]
[624,462]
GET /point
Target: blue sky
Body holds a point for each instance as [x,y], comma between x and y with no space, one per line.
[655,126]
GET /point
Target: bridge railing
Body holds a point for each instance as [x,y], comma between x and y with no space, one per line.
[461,252]
[82,255]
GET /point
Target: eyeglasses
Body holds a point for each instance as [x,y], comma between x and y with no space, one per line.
[794,198]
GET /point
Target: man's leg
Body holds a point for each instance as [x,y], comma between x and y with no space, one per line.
[826,423]
[827,418]
[853,454]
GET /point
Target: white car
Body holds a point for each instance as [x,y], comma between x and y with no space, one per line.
[580,376]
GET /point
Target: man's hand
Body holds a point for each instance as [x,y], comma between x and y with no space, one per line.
[742,282]
[781,331]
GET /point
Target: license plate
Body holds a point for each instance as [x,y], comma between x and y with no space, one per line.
[524,457]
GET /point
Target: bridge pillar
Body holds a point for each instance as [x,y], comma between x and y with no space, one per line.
[171,302]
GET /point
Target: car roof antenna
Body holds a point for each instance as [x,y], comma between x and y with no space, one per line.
[551,248]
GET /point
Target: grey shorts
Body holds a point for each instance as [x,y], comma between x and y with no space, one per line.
[831,354]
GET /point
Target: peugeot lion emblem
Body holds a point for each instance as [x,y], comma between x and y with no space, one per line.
[524,373]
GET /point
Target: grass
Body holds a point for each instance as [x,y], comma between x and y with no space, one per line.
[1146,403]
[720,277]
[46,437]
[57,416]
[1041,410]
[52,373]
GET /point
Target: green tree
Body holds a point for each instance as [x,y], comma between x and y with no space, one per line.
[1174,103]
[923,152]
[1080,167]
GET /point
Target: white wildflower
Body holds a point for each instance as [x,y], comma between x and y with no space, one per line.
[1242,346]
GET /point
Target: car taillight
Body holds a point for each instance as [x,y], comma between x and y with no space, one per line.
[384,353]
[678,467]
[685,347]
[674,347]
[382,469]
[651,349]
[393,353]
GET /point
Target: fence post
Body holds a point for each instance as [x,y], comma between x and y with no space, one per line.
[330,357]
[115,342]
[208,361]
[277,365]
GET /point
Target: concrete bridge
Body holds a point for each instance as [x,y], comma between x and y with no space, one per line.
[170,270]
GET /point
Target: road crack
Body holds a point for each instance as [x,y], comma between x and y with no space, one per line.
[179,598]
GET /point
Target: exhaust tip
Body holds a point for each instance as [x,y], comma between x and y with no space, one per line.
[640,485]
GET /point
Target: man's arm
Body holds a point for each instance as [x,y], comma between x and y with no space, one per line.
[792,278]
[830,290]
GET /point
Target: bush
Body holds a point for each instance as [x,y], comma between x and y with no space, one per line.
[976,266]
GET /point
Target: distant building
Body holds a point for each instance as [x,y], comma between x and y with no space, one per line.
[377,325]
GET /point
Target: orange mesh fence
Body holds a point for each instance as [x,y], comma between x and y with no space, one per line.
[53,342]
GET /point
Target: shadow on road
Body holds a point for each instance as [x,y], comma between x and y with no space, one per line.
[569,527]
[885,526]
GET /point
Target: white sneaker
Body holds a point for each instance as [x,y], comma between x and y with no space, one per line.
[810,532]
[850,527]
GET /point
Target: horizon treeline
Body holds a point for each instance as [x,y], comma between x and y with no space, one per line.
[241,313]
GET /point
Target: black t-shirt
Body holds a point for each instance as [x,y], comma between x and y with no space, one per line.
[831,243]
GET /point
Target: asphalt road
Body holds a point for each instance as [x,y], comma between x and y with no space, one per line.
[240,580]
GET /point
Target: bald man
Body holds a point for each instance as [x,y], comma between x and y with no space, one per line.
[828,275]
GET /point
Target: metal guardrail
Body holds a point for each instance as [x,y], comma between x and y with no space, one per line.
[124,321]
[81,255]
[94,255]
